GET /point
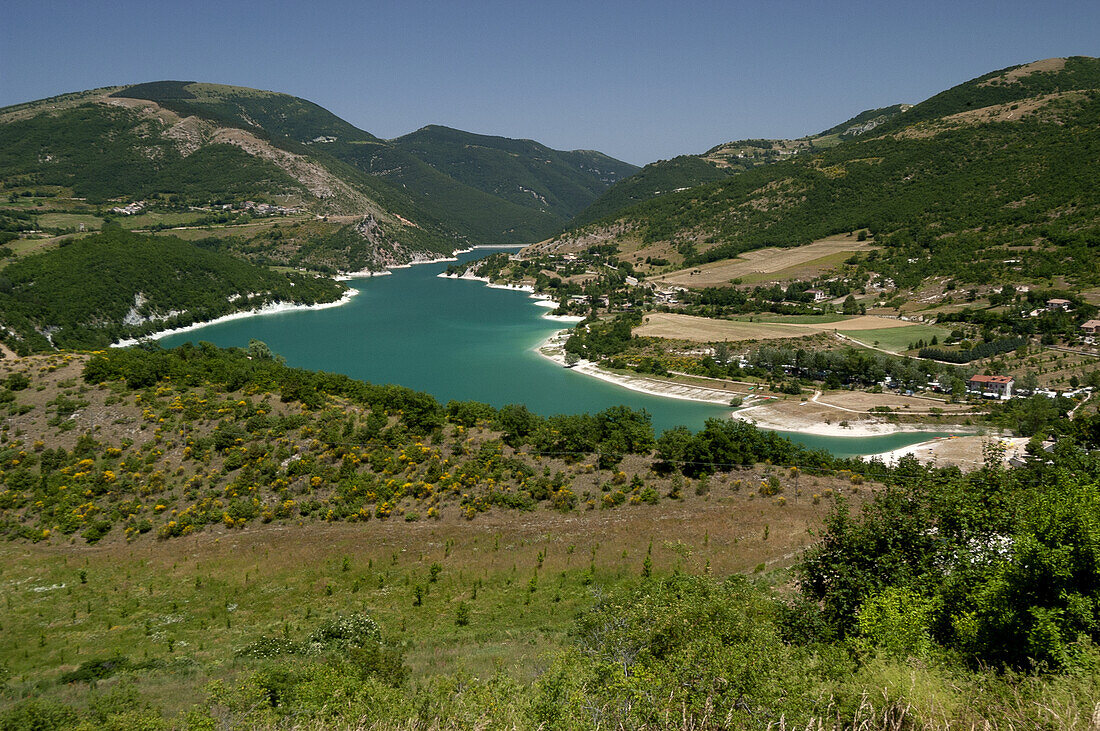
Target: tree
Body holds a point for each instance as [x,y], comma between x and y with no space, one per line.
[517,422]
[258,350]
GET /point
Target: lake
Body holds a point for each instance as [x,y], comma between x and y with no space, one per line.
[458,339]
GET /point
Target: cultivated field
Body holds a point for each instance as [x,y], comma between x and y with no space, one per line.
[799,261]
[896,339]
[705,330]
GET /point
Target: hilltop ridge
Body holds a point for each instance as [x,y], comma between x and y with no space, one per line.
[981,180]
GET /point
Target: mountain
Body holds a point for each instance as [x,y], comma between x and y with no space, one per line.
[721,161]
[203,143]
[986,180]
[523,172]
[179,147]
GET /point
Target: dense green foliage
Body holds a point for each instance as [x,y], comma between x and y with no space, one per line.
[687,171]
[519,171]
[239,436]
[1006,561]
[656,178]
[82,293]
[979,351]
[726,443]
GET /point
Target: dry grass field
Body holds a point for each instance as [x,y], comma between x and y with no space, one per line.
[191,603]
[705,330]
[797,261]
[865,401]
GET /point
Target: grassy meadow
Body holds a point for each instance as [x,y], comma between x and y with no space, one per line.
[897,339]
[180,611]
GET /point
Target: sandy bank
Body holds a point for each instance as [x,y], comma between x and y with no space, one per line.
[362,274]
[488,282]
[965,452]
[778,416]
[366,273]
[763,411]
[272,309]
[553,349]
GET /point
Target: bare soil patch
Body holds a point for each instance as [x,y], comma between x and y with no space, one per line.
[864,401]
[762,261]
[1014,75]
[702,329]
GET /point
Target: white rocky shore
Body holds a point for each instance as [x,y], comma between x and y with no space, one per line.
[272,309]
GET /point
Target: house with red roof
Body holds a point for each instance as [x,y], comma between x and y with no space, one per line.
[991,386]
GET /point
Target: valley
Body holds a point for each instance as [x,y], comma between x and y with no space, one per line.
[302,427]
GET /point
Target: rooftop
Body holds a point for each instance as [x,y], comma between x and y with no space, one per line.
[991,379]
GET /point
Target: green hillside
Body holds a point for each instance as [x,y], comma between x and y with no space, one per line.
[199,144]
[478,216]
[104,152]
[204,538]
[1005,185]
[656,178]
[519,171]
[116,284]
[485,189]
[687,171]
[864,122]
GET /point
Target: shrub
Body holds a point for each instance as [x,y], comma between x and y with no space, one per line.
[346,631]
[97,669]
[268,647]
[896,621]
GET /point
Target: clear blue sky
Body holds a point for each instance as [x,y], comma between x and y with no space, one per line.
[638,80]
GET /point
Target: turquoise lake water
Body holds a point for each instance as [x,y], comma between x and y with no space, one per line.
[461,340]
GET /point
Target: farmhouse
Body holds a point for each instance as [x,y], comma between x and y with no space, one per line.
[817,294]
[1058,304]
[999,386]
[1091,327]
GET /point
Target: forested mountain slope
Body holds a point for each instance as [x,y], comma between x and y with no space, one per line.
[116,284]
[523,172]
[210,143]
[994,176]
[484,188]
[721,161]
[186,145]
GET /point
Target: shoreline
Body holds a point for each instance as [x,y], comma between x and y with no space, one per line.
[271,309]
[540,300]
[640,384]
[368,273]
[551,349]
[276,308]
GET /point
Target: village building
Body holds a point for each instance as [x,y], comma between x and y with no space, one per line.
[1058,304]
[998,386]
[1091,327]
[817,294]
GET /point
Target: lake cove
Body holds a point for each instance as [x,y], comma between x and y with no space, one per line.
[461,340]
